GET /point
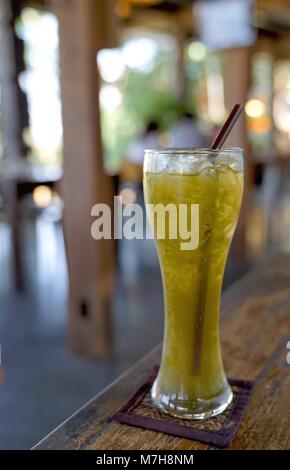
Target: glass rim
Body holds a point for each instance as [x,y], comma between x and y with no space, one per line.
[193,151]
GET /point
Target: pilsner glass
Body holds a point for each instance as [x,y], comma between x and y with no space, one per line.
[191,382]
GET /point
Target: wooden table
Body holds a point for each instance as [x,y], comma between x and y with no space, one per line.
[13,176]
[256,330]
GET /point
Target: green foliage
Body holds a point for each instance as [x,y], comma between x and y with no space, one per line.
[146,97]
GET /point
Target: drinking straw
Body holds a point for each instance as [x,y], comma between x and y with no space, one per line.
[227,127]
[217,143]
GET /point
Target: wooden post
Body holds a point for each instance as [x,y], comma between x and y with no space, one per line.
[14,118]
[237,68]
[181,78]
[12,98]
[90,262]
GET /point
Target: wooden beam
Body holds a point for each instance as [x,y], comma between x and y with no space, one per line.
[90,262]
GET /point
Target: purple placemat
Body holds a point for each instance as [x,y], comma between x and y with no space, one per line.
[218,431]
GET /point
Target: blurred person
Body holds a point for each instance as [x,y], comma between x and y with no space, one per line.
[132,168]
[150,139]
[185,133]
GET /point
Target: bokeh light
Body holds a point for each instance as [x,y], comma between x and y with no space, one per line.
[41,83]
[110,97]
[197,51]
[128,196]
[42,196]
[111,65]
[140,53]
[255,108]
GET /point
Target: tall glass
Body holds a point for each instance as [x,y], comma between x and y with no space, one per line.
[191,382]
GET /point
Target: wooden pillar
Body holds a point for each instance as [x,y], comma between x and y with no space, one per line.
[237,67]
[13,102]
[90,262]
[181,78]
[10,197]
[14,118]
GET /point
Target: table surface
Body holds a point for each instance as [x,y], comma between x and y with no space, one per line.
[255,333]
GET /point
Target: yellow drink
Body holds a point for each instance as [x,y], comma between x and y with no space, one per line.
[191,382]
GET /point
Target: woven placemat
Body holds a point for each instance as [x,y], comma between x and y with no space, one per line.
[218,431]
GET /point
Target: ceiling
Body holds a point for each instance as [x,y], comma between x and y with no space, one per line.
[271,15]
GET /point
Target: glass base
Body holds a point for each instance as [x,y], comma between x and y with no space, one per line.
[187,409]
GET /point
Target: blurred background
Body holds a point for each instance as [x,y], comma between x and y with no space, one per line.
[85,86]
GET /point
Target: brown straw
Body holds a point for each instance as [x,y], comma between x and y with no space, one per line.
[227,127]
[199,326]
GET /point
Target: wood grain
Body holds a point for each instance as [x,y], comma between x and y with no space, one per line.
[91,263]
[236,86]
[256,329]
